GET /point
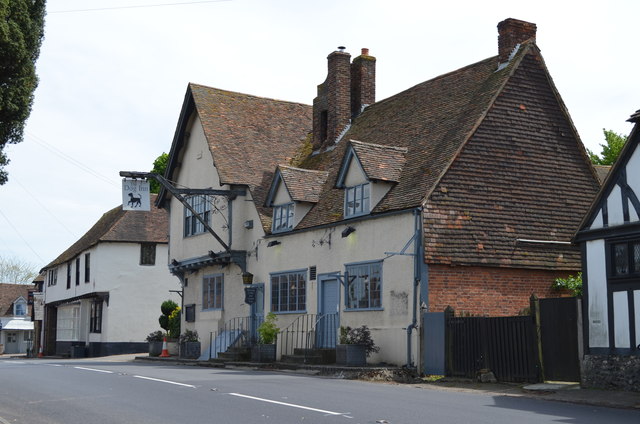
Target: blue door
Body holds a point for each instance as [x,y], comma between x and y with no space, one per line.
[328,304]
[256,312]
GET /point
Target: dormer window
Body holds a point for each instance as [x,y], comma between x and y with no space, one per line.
[283,217]
[357,200]
[20,307]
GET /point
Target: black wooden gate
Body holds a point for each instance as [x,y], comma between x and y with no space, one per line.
[505,345]
[559,327]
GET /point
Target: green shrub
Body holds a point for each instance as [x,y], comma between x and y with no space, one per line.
[571,283]
[268,330]
[361,336]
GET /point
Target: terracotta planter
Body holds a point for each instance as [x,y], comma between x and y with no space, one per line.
[352,355]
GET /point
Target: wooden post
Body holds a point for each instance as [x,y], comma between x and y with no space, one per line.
[448,340]
[535,313]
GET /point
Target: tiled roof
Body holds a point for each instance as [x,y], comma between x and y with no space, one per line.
[9,293]
[119,225]
[249,136]
[602,171]
[380,162]
[303,185]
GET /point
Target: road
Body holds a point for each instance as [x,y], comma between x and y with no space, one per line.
[112,392]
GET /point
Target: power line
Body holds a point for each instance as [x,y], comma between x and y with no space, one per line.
[71,160]
[20,235]
[141,6]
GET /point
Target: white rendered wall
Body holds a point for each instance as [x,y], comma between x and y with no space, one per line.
[597,278]
[621,319]
[614,206]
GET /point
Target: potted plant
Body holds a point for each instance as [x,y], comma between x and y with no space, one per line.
[189,345]
[155,343]
[170,322]
[265,350]
[355,346]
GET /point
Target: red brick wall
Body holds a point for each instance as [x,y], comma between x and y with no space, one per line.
[487,291]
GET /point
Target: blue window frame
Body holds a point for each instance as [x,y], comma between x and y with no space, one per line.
[364,290]
[289,291]
[192,225]
[282,217]
[356,200]
[212,291]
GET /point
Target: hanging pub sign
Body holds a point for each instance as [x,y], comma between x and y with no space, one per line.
[250,295]
[135,195]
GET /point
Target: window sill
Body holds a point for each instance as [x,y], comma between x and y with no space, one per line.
[290,312]
[363,309]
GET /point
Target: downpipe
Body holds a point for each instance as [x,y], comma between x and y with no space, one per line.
[417,260]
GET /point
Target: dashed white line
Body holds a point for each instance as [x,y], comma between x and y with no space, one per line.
[289,404]
[164,381]
[93,369]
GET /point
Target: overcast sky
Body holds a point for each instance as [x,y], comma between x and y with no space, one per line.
[112,81]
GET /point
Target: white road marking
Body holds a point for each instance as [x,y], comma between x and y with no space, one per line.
[53,365]
[93,369]
[288,404]
[164,381]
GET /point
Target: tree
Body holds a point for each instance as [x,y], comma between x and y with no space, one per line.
[21,33]
[15,271]
[159,166]
[611,150]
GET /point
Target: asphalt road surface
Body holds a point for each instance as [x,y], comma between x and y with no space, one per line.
[113,392]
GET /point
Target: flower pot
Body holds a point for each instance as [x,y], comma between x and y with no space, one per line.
[263,353]
[173,347]
[353,355]
[155,348]
[190,350]
[1,348]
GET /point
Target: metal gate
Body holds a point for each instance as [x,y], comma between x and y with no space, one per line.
[559,337]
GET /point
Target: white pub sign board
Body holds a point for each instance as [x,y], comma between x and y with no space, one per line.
[135,195]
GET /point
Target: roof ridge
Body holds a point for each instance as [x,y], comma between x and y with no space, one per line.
[221,90]
[382,146]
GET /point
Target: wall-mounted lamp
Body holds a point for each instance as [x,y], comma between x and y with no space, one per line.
[247,278]
[347,231]
[273,243]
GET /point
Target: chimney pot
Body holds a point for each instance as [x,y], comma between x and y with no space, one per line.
[365,51]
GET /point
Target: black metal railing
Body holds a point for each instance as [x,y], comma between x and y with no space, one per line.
[237,332]
[309,331]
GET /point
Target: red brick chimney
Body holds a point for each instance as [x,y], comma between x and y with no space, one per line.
[363,82]
[512,32]
[347,88]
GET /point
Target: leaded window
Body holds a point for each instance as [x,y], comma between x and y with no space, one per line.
[147,254]
[364,287]
[625,258]
[202,207]
[282,217]
[289,292]
[357,200]
[212,291]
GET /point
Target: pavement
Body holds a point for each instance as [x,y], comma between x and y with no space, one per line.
[570,392]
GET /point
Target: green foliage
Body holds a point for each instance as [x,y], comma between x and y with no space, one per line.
[571,283]
[268,330]
[361,336]
[21,33]
[174,324]
[167,323]
[610,150]
[156,336]
[159,166]
[189,336]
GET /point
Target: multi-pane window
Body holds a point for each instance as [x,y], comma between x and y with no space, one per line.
[20,308]
[625,258]
[356,200]
[289,292]
[212,291]
[69,275]
[201,206]
[12,337]
[52,277]
[95,320]
[147,254]
[87,267]
[282,217]
[364,290]
[77,271]
[68,325]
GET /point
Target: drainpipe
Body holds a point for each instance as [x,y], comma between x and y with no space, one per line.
[417,269]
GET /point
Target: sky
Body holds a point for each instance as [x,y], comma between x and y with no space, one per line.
[113,75]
